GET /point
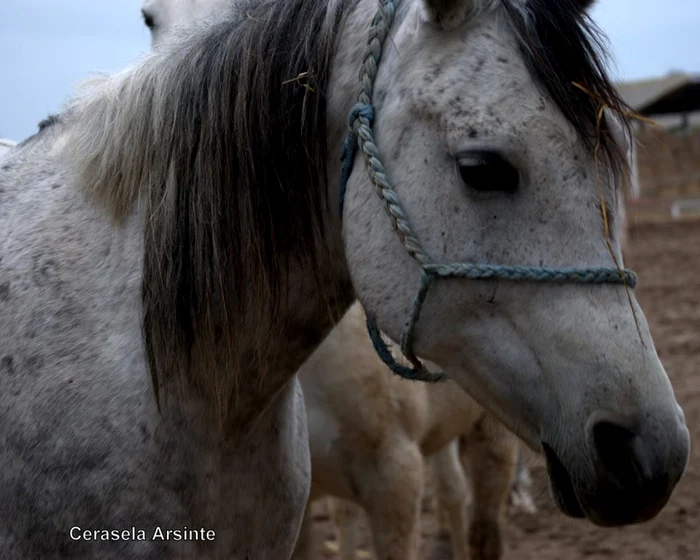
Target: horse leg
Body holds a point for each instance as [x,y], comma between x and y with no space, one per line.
[452,496]
[520,496]
[346,516]
[490,456]
[391,493]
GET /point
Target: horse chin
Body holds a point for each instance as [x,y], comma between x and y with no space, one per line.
[561,485]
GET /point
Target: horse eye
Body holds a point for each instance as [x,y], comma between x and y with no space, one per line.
[487,172]
[148,19]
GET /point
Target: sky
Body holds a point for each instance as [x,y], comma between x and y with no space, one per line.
[48,46]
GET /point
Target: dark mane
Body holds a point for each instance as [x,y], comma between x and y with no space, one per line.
[248,183]
[563,46]
[48,122]
[223,133]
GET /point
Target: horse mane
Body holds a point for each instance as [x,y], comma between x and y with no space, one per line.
[223,134]
[562,47]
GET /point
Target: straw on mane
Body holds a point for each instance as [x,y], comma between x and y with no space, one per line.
[229,153]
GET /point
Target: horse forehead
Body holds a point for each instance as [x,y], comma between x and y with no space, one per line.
[474,82]
[483,55]
[480,71]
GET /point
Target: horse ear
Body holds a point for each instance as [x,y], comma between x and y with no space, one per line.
[586,5]
[449,13]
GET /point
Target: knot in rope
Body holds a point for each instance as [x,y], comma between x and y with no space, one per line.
[359,110]
[363,110]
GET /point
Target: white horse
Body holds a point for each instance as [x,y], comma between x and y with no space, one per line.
[181,220]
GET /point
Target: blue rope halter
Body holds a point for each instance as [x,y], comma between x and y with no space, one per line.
[360,136]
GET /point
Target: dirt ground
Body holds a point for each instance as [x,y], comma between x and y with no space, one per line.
[667,258]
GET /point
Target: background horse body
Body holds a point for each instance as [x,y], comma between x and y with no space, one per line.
[369,431]
[182,222]
[5,145]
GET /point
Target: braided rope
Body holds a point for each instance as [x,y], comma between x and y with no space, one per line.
[360,136]
[600,275]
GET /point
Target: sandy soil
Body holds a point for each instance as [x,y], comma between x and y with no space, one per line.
[667,258]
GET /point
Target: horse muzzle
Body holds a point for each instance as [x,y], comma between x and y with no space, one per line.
[635,467]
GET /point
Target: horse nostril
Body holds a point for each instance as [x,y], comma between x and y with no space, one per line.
[609,435]
[617,448]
